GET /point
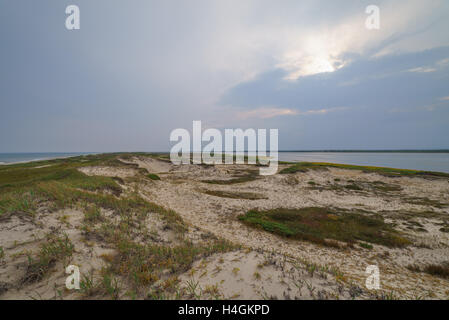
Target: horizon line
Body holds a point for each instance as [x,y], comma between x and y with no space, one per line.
[443,150]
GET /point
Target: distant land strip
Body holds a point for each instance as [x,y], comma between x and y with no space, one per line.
[375,151]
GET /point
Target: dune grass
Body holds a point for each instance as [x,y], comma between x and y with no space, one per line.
[235,195]
[144,264]
[319,225]
[230,181]
[304,166]
[238,177]
[137,259]
[54,249]
[23,188]
[153,176]
[439,270]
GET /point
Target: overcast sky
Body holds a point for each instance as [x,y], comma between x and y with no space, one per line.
[136,70]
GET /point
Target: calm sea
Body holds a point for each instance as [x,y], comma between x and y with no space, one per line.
[6,158]
[403,160]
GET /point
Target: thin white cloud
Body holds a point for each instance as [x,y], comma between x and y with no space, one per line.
[268,113]
[422,69]
[322,111]
[443,63]
[265,113]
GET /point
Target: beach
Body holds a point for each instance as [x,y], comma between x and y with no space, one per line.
[15,158]
[140,227]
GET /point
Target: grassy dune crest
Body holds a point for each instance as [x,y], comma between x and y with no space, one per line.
[304,166]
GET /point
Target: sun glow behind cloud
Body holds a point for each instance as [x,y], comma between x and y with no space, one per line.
[308,51]
[312,56]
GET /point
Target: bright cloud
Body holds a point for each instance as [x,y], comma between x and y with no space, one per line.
[422,69]
[265,113]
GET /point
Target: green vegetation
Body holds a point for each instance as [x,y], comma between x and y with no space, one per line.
[153,176]
[384,187]
[230,181]
[110,285]
[144,264]
[353,187]
[138,260]
[23,188]
[424,201]
[377,187]
[320,224]
[439,270]
[93,215]
[54,249]
[365,245]
[235,195]
[304,166]
[240,177]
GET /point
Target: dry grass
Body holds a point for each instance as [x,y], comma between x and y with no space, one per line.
[54,249]
[438,270]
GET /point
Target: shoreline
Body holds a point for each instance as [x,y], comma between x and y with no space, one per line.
[2,163]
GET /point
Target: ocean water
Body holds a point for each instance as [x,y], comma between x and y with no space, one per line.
[402,160]
[6,158]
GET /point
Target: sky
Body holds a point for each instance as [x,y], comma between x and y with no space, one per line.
[136,70]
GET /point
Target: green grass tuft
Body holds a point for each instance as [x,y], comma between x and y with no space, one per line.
[54,249]
[153,176]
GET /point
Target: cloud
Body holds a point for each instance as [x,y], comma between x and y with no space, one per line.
[268,113]
[265,113]
[378,83]
[422,69]
[322,111]
[134,71]
[322,49]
